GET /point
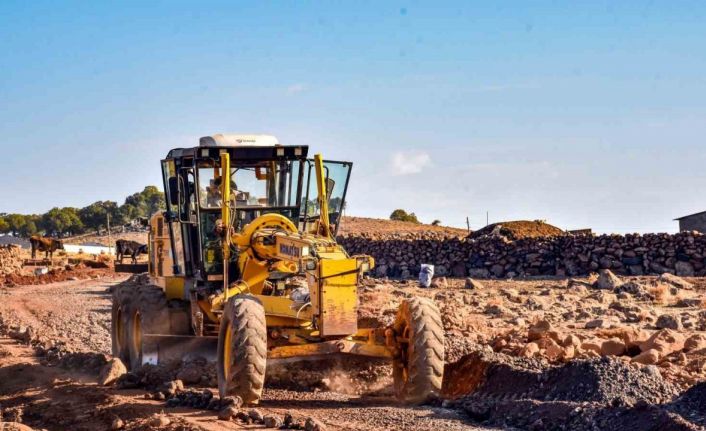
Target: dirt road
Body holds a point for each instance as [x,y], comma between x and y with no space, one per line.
[76,316]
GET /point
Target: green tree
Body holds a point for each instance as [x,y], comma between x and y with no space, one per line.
[401,215]
[15,222]
[60,221]
[4,225]
[30,226]
[436,223]
[144,203]
[95,215]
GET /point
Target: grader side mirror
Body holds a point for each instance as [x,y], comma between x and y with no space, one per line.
[173,191]
[330,184]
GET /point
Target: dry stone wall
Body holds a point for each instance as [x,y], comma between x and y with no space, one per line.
[400,255]
[10,260]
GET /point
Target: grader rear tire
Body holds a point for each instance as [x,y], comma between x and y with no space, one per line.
[118,324]
[148,314]
[419,369]
[242,349]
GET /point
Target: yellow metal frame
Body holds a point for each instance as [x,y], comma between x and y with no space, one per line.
[273,244]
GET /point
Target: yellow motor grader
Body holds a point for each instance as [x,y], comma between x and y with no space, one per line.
[244,264]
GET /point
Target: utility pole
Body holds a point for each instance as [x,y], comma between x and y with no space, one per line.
[110,239]
[486,219]
[468,225]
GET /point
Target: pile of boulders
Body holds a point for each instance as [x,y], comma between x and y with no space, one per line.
[10,259]
[400,255]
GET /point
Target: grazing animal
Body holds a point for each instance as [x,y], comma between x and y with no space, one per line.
[47,245]
[131,248]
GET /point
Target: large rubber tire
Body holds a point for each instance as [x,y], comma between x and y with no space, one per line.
[242,349]
[419,369]
[148,314]
[118,323]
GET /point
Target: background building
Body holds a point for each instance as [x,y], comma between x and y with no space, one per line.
[693,222]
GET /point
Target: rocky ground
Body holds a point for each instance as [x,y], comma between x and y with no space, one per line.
[55,346]
[602,352]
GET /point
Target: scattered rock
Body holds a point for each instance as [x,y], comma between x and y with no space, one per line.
[272,421]
[190,374]
[607,280]
[255,415]
[235,401]
[603,323]
[439,283]
[668,321]
[530,350]
[684,269]
[473,284]
[117,424]
[538,330]
[312,424]
[613,347]
[227,413]
[111,372]
[159,421]
[675,281]
[665,341]
[647,357]
[695,342]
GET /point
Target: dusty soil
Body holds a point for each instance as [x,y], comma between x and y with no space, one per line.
[49,377]
[521,354]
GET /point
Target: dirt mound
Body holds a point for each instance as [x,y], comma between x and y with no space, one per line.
[581,395]
[692,404]
[373,226]
[82,271]
[602,380]
[520,229]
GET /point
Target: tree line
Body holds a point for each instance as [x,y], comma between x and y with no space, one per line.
[69,221]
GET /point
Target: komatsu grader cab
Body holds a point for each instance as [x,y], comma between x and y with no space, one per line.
[244,266]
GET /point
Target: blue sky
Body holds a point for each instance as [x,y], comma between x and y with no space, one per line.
[586,114]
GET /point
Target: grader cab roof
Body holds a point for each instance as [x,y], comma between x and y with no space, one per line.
[241,147]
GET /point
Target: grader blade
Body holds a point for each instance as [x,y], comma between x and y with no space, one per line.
[166,348]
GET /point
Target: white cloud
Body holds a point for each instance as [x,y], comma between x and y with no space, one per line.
[409,162]
[295,89]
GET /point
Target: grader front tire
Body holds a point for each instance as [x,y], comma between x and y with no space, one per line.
[148,314]
[242,349]
[419,369]
[118,324]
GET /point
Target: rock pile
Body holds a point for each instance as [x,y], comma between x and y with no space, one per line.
[598,394]
[10,260]
[400,255]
